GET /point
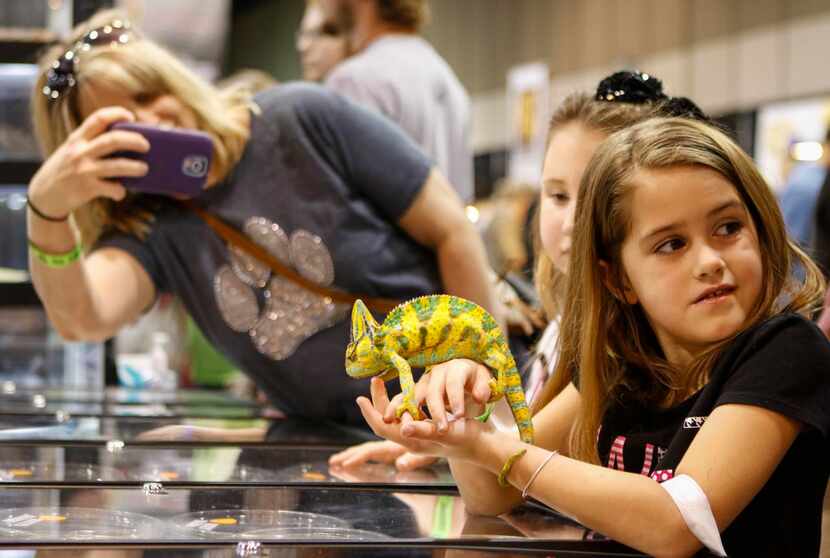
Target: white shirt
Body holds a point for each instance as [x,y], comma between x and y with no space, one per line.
[405,79]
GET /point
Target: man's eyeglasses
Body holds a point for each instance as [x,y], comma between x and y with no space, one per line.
[325,30]
[61,76]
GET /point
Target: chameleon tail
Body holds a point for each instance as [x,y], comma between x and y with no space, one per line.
[488,410]
[518,405]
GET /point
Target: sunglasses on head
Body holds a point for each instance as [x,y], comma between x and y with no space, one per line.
[61,75]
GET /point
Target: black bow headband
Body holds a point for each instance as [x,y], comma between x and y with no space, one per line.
[639,88]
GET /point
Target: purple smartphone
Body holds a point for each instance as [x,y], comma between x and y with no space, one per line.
[178,160]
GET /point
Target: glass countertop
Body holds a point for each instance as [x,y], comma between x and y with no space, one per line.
[9,391]
[374,521]
[63,427]
[135,465]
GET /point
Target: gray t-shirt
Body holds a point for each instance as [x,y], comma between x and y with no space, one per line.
[321,185]
[406,80]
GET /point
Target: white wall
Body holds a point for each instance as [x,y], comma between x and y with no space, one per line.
[725,54]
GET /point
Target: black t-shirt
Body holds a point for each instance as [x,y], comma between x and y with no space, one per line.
[783,365]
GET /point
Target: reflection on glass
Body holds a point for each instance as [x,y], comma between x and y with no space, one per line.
[17,140]
[57,472]
[78,524]
[242,523]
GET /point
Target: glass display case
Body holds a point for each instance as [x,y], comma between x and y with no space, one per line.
[93,430]
[276,519]
[101,484]
[123,396]
[34,357]
[31,354]
[13,248]
[17,140]
[39,404]
[114,464]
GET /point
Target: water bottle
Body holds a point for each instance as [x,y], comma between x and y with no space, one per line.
[165,378]
[83,366]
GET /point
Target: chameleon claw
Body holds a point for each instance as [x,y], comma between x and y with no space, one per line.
[413,410]
[488,410]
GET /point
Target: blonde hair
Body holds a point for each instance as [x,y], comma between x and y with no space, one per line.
[139,67]
[609,341]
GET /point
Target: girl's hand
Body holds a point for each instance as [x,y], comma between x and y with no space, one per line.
[421,436]
[79,170]
[382,452]
[461,385]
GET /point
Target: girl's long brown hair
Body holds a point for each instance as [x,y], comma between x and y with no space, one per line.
[610,342]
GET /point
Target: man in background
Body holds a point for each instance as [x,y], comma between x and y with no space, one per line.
[320,44]
[397,73]
[821,215]
[799,199]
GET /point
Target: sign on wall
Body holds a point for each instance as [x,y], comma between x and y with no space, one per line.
[528,110]
[781,127]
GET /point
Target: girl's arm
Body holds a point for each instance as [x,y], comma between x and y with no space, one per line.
[477,484]
[731,458]
[436,219]
[551,426]
[93,297]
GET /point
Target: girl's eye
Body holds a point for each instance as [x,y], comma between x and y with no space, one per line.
[729,228]
[670,246]
[144,98]
[560,198]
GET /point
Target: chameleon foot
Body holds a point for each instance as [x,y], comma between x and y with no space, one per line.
[410,408]
[488,410]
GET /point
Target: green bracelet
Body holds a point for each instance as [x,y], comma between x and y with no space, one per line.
[56,261]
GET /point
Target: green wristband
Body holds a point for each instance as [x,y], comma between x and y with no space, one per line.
[56,261]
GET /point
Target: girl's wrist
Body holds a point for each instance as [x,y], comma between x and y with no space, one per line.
[43,215]
[43,206]
[492,448]
[51,237]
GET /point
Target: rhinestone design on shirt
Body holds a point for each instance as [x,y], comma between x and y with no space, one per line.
[289,314]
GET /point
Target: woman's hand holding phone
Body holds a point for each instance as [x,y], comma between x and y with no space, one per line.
[80,169]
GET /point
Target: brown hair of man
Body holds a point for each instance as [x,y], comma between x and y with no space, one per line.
[410,15]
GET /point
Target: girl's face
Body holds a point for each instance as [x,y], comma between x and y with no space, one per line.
[163,110]
[569,151]
[691,258]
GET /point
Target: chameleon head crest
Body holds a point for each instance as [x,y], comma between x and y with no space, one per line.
[362,358]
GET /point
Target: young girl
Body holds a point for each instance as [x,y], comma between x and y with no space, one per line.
[577,127]
[701,406]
